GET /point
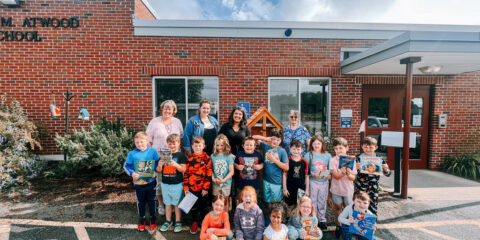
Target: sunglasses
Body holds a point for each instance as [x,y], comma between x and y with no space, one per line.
[293,117]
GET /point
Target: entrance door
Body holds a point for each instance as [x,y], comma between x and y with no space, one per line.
[383,110]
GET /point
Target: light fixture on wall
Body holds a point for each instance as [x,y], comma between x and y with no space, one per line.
[430,69]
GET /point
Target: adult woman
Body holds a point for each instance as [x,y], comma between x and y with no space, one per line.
[158,130]
[295,131]
[236,129]
[201,125]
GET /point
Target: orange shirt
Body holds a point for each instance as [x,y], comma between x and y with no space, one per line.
[221,223]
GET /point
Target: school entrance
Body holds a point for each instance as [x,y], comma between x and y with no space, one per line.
[383,110]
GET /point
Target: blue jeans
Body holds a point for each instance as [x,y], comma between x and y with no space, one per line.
[146,195]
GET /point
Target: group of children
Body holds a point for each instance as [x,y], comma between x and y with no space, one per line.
[298,180]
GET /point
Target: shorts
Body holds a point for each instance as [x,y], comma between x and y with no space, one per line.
[342,199]
[172,193]
[158,188]
[225,190]
[272,192]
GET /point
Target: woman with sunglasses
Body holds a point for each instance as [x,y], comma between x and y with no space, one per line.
[295,131]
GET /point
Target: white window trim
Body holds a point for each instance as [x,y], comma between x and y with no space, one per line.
[299,95]
[185,79]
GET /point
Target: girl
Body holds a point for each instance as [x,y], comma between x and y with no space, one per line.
[249,223]
[303,223]
[216,223]
[222,163]
[318,159]
[276,230]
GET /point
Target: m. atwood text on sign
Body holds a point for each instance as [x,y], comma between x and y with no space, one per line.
[13,35]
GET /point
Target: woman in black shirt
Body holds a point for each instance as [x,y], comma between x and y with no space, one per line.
[236,129]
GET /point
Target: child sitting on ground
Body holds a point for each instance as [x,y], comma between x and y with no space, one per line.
[342,181]
[360,203]
[223,171]
[369,182]
[172,183]
[303,223]
[144,186]
[248,219]
[276,230]
[197,180]
[248,162]
[216,224]
[297,175]
[276,161]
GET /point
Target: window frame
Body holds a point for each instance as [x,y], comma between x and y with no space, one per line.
[185,79]
[299,92]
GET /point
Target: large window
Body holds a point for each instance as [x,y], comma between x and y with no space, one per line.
[308,95]
[187,92]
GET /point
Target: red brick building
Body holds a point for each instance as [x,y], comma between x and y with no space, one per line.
[119,65]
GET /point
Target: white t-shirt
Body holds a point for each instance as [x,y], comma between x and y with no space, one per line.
[273,235]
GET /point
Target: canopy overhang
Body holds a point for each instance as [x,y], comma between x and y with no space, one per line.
[452,52]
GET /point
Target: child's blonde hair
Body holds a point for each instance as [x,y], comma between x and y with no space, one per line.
[173,138]
[251,190]
[300,202]
[141,134]
[224,139]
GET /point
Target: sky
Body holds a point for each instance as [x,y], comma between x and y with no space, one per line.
[462,12]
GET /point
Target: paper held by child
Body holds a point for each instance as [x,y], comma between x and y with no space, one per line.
[309,230]
[325,173]
[145,169]
[346,161]
[371,165]
[165,155]
[187,203]
[363,224]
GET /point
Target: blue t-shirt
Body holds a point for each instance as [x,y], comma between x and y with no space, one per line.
[271,172]
[248,176]
[317,164]
[137,156]
[221,164]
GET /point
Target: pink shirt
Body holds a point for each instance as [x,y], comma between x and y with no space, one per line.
[158,132]
[343,186]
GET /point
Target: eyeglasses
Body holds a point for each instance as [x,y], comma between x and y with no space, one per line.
[293,117]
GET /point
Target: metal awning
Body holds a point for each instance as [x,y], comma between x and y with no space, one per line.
[451,52]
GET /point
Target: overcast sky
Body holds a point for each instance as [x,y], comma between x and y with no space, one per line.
[463,12]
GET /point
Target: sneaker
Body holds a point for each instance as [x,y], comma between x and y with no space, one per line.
[152,225]
[178,227]
[322,226]
[141,225]
[193,228]
[161,210]
[338,232]
[166,226]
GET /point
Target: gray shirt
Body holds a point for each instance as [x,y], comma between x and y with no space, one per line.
[249,224]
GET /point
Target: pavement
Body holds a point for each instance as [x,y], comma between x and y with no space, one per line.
[440,206]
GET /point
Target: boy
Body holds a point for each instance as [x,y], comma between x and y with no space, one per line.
[369,182]
[297,175]
[248,162]
[360,204]
[197,179]
[276,161]
[172,182]
[144,186]
[341,186]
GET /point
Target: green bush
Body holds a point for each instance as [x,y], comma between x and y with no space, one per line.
[464,165]
[103,148]
[18,137]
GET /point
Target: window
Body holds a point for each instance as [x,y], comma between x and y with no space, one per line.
[311,96]
[187,92]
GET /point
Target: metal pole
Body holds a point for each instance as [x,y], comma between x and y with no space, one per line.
[68,96]
[406,127]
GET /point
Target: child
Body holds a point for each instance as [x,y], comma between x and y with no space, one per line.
[144,186]
[369,182]
[249,223]
[303,223]
[276,161]
[197,180]
[297,175]
[216,223]
[223,171]
[342,181]
[172,183]
[248,162]
[318,161]
[360,203]
[276,230]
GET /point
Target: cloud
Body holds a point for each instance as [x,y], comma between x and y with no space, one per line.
[178,9]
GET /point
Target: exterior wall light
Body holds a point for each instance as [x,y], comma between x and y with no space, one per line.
[430,69]
[288,32]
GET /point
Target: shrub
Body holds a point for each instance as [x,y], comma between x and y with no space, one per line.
[104,147]
[464,165]
[18,137]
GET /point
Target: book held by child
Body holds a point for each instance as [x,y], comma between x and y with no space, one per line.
[363,224]
[371,165]
[346,161]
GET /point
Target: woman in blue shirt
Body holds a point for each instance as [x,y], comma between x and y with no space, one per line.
[201,125]
[295,131]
